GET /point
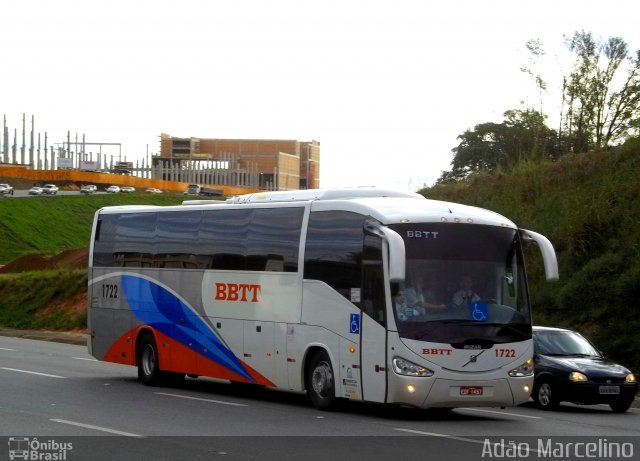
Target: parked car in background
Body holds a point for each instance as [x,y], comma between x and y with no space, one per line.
[6,189]
[50,189]
[127,189]
[113,189]
[154,190]
[569,368]
[35,190]
[88,189]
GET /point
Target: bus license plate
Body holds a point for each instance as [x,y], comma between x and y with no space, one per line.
[609,389]
[470,390]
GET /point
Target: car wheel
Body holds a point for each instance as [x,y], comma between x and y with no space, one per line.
[545,396]
[620,406]
[320,382]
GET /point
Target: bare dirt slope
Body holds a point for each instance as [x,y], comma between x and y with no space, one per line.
[68,259]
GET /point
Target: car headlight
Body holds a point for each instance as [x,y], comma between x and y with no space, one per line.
[630,378]
[576,376]
[525,369]
[406,368]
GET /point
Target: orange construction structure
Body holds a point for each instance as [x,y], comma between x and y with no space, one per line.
[60,177]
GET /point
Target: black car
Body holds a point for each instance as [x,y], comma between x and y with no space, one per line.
[569,368]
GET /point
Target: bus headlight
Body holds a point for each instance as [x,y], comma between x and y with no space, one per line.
[630,378]
[525,369]
[405,368]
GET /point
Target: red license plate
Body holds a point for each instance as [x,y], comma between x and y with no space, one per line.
[470,390]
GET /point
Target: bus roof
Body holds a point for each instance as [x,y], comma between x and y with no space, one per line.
[321,194]
[387,206]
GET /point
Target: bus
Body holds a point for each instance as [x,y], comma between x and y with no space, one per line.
[301,290]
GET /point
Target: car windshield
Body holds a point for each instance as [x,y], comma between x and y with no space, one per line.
[463,284]
[558,342]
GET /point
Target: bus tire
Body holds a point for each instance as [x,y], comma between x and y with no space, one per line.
[148,364]
[321,387]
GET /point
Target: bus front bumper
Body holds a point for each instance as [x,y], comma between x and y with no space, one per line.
[450,393]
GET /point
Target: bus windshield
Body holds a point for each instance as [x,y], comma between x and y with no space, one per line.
[464,285]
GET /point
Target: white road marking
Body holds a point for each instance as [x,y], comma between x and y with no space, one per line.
[221,402]
[84,358]
[6,349]
[96,428]
[435,434]
[501,413]
[33,372]
[486,440]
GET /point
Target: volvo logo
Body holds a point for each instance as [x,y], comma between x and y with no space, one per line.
[474,358]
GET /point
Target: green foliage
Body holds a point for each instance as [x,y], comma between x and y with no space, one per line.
[602,92]
[25,296]
[53,224]
[588,205]
[492,146]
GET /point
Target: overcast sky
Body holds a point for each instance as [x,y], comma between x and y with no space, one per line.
[385,86]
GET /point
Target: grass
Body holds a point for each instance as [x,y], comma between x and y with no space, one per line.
[40,300]
[50,225]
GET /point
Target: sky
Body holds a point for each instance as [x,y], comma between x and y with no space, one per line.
[384,86]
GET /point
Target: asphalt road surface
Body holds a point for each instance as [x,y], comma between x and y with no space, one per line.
[55,398]
[20,193]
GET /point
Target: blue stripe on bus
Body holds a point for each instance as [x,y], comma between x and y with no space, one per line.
[162,310]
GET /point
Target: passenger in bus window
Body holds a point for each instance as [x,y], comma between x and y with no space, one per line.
[465,294]
[404,310]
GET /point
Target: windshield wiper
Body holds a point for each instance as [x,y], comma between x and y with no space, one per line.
[505,325]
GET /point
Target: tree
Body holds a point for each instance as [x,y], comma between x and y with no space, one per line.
[602,93]
[490,146]
[536,51]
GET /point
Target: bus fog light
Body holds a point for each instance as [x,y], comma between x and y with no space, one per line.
[526,369]
[526,389]
[405,368]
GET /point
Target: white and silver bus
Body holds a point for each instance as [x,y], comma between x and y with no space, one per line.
[307,291]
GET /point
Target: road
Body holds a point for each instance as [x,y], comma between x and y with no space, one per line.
[57,393]
[22,193]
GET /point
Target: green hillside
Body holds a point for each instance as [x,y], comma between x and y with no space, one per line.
[55,223]
[588,206]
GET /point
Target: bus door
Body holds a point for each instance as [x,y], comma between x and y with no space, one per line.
[373,331]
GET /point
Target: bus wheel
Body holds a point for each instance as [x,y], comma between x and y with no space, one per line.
[148,365]
[320,382]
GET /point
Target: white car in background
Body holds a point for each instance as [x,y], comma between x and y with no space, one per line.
[113,189]
[127,189]
[35,190]
[154,190]
[50,189]
[6,189]
[89,189]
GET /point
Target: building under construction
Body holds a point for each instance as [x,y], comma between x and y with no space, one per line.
[261,163]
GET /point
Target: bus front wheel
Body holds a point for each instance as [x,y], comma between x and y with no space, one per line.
[320,382]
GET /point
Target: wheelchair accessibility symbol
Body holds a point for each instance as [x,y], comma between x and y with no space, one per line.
[354,323]
[479,311]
